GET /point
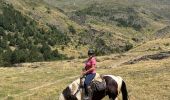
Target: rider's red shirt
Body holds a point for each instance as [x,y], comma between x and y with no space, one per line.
[89,63]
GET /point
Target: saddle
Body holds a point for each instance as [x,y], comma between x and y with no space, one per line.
[97,84]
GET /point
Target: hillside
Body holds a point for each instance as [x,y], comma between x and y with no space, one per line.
[64,29]
[159,7]
[23,39]
[138,20]
[147,15]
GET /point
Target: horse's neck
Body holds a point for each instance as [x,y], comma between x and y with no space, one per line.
[74,86]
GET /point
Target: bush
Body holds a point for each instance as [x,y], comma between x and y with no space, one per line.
[6,58]
[101,47]
[19,56]
[60,37]
[128,46]
[35,55]
[71,29]
[2,32]
[3,44]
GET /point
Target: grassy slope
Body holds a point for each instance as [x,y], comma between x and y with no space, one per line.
[120,35]
[39,11]
[157,6]
[146,80]
[146,10]
[151,8]
[155,45]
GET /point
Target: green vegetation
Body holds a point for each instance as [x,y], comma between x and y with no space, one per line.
[119,15]
[29,42]
[43,31]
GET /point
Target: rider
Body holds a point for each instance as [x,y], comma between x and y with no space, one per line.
[89,72]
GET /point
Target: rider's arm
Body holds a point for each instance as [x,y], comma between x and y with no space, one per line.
[91,69]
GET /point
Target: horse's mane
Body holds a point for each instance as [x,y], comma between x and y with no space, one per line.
[74,86]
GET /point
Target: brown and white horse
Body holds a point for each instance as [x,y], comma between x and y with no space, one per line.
[114,85]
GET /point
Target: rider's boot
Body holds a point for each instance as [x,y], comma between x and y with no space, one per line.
[87,93]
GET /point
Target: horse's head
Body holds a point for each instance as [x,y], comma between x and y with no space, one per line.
[71,92]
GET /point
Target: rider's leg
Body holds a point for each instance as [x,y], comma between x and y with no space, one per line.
[88,79]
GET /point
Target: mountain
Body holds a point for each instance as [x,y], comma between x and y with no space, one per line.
[60,29]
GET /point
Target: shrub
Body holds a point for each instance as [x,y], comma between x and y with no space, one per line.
[2,32]
[6,58]
[35,55]
[71,29]
[3,43]
[19,56]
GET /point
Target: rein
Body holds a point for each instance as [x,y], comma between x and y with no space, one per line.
[77,90]
[80,86]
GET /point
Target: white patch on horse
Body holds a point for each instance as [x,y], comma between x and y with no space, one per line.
[118,79]
[78,95]
[74,86]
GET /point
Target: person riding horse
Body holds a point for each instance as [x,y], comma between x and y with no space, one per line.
[112,88]
[89,72]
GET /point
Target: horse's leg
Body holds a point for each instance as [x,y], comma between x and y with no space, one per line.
[112,96]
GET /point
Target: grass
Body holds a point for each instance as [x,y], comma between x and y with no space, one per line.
[154,45]
[23,80]
[146,80]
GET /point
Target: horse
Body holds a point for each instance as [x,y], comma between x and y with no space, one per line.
[114,85]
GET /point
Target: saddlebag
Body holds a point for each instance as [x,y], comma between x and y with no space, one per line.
[98,86]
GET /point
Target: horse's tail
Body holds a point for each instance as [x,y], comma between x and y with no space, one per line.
[124,91]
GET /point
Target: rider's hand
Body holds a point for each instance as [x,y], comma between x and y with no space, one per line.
[83,73]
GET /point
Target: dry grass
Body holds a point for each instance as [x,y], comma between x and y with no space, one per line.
[154,45]
[146,80]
